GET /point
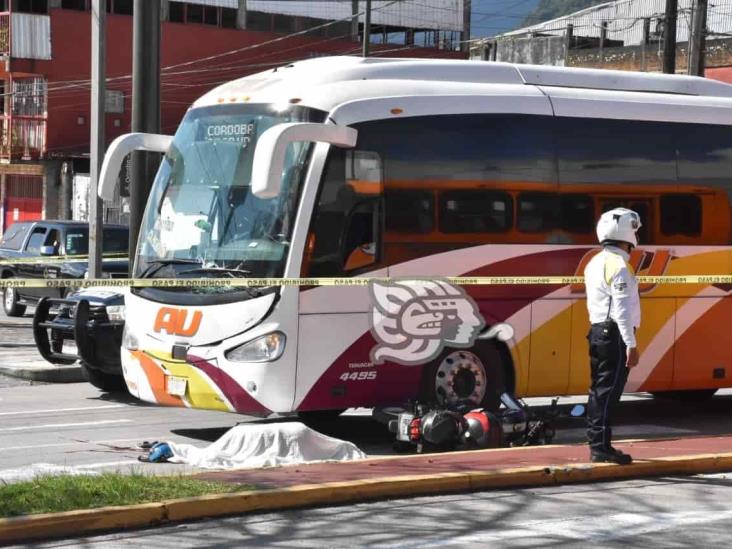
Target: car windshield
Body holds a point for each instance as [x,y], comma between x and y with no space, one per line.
[114,241]
[202,218]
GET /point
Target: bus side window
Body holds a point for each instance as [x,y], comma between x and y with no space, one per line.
[681,214]
[577,213]
[537,212]
[475,212]
[409,211]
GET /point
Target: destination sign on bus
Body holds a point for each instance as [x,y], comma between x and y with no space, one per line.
[234,133]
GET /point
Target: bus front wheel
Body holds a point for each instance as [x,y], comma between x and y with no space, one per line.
[457,375]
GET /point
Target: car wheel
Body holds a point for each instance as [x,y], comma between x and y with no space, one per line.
[110,383]
[10,303]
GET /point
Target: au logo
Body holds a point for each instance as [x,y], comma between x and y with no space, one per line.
[654,263]
[175,322]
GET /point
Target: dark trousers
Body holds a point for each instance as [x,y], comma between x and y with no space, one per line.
[609,374]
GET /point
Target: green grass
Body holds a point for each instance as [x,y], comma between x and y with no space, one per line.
[52,494]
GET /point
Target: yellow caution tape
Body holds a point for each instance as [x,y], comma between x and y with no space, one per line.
[45,259]
[263,282]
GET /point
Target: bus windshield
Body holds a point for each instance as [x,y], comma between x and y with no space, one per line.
[202,219]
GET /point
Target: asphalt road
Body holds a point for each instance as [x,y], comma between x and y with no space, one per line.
[658,513]
[17,346]
[48,427]
[78,428]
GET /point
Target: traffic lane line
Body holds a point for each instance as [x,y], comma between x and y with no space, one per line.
[104,443]
[57,410]
[64,425]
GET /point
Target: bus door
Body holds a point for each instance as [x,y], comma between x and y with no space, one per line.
[344,241]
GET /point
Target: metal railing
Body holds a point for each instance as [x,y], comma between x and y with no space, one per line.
[23,137]
[5,34]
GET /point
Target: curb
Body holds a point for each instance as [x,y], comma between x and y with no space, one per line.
[48,374]
[85,522]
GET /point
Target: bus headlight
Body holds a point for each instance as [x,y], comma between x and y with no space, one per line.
[116,312]
[129,341]
[263,349]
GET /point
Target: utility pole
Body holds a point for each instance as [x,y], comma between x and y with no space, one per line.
[644,43]
[669,37]
[603,39]
[465,35]
[145,107]
[354,20]
[367,29]
[568,37]
[697,44]
[98,85]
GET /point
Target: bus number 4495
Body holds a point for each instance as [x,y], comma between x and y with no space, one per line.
[358,376]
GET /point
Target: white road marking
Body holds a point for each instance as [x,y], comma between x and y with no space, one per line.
[63,410]
[52,425]
[74,442]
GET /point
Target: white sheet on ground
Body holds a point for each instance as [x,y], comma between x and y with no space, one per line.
[266,445]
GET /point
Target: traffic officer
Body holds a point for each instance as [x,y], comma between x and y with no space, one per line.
[614,307]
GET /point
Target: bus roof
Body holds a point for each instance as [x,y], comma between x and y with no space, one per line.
[327,82]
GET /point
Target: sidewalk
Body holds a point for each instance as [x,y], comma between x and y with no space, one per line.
[19,357]
[645,453]
[328,484]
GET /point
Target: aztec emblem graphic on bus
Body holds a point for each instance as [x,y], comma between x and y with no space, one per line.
[413,320]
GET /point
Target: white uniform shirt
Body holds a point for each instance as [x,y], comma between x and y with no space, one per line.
[612,292]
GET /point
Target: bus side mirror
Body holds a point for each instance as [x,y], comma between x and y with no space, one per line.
[119,149]
[269,154]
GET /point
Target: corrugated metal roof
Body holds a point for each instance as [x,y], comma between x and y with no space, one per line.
[31,36]
[625,20]
[423,14]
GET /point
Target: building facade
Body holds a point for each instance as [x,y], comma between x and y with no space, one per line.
[45,61]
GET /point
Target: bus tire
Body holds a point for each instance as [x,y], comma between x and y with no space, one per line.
[695,395]
[458,375]
[10,303]
[110,383]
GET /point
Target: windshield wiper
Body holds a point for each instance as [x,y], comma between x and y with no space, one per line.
[156,264]
[231,271]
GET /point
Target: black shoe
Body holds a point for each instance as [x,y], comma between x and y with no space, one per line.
[610,456]
[619,452]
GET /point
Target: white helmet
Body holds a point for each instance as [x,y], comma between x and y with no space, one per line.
[620,225]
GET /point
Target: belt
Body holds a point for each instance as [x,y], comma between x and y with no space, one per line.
[605,323]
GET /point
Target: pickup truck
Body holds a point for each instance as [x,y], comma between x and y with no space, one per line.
[55,249]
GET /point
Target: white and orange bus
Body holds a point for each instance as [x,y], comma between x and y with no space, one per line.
[349,167]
